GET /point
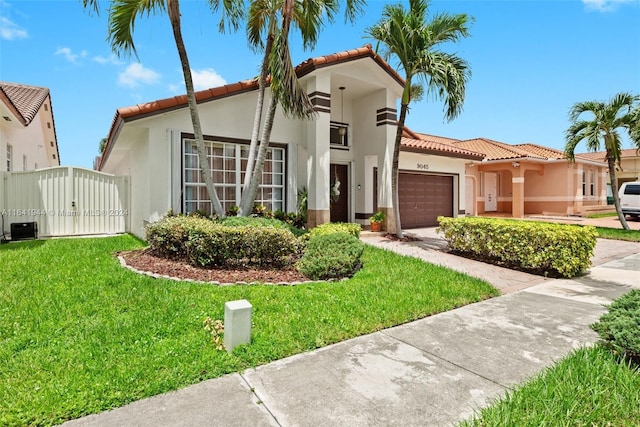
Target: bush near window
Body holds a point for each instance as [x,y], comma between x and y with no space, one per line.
[620,327]
[261,221]
[205,243]
[167,237]
[331,256]
[544,247]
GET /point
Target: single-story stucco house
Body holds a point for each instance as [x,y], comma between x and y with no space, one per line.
[529,179]
[355,90]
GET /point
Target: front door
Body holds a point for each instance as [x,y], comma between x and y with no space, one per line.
[339,193]
[490,192]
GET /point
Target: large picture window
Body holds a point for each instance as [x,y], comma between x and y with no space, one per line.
[227,162]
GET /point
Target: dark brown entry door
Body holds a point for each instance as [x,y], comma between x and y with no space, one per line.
[339,198]
[423,198]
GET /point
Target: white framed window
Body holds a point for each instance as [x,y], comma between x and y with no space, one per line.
[592,183]
[481,185]
[339,134]
[584,183]
[227,162]
[9,157]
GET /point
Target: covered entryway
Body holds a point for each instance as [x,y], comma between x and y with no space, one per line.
[423,198]
[339,193]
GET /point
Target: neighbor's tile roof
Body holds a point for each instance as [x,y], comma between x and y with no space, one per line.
[438,145]
[540,151]
[494,150]
[601,155]
[24,101]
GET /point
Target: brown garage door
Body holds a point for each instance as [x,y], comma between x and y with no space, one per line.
[423,198]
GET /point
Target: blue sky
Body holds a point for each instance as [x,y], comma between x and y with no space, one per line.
[531,60]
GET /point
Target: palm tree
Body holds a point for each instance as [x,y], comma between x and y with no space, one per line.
[413,41]
[272,20]
[122,16]
[621,112]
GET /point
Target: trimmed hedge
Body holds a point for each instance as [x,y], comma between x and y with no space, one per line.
[261,221]
[337,227]
[331,256]
[206,243]
[620,327]
[546,247]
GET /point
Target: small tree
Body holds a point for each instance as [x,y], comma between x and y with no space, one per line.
[621,112]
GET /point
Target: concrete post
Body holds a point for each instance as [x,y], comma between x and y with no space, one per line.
[237,324]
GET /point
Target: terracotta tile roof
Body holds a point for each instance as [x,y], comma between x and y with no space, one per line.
[24,101]
[495,150]
[540,151]
[308,66]
[600,155]
[438,145]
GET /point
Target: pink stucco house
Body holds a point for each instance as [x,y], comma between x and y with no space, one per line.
[527,179]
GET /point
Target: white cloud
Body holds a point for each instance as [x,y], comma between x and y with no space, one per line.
[112,59]
[206,78]
[604,5]
[135,75]
[9,30]
[69,55]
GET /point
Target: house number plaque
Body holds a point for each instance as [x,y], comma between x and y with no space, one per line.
[423,166]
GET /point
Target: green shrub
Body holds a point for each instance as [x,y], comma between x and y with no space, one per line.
[260,221]
[330,256]
[337,227]
[167,237]
[219,245]
[620,327]
[545,247]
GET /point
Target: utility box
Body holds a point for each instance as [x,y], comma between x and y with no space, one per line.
[24,230]
[237,323]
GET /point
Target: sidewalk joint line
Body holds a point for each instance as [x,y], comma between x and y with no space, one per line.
[260,400]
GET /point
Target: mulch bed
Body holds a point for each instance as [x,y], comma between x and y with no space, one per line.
[145,261]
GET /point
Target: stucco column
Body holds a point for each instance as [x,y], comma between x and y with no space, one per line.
[319,155]
[517,185]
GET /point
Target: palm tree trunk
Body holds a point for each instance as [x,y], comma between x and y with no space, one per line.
[395,170]
[262,153]
[245,200]
[614,189]
[205,171]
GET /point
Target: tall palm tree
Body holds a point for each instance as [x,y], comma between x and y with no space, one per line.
[122,17]
[621,112]
[272,20]
[414,41]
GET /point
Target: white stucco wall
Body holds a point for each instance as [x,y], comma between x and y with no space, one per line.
[34,141]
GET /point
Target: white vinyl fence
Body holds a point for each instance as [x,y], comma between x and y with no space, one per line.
[65,201]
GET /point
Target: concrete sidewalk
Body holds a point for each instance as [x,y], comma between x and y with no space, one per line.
[432,372]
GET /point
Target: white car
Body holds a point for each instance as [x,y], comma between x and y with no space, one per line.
[629,195]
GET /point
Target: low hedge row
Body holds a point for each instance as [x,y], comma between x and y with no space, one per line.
[547,247]
[207,243]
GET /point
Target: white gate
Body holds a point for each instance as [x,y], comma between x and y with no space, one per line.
[65,201]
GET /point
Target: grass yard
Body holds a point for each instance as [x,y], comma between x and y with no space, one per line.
[618,234]
[79,334]
[587,388]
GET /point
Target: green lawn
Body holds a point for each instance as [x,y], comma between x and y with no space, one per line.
[587,388]
[79,334]
[618,234]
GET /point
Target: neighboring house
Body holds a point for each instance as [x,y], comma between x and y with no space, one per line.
[27,130]
[349,142]
[528,179]
[629,169]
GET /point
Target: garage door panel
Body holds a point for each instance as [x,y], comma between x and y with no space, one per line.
[423,198]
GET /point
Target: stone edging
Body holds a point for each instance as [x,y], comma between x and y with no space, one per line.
[124,264]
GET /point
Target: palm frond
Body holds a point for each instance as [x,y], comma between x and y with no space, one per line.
[232,11]
[122,18]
